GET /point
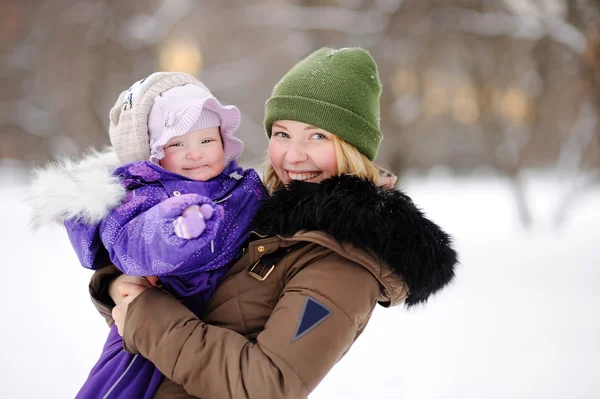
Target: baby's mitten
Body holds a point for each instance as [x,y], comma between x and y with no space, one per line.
[192,223]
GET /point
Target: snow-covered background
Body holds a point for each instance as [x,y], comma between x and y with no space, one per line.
[522,319]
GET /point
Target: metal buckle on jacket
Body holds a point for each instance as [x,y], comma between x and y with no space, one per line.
[261,275]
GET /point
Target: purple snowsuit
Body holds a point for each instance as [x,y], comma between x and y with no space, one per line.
[139,238]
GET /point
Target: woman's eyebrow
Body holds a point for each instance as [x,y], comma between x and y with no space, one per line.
[310,127]
[279,126]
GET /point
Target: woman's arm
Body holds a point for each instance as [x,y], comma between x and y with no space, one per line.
[100,289]
[104,289]
[285,361]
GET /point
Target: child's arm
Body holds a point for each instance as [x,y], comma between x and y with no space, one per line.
[147,244]
[88,235]
[85,239]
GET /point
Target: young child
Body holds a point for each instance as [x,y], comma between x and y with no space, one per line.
[179,213]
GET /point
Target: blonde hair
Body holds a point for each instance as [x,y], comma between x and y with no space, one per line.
[349,162]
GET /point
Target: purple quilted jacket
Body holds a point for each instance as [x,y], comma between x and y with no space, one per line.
[138,236]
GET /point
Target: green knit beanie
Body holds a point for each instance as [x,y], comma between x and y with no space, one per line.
[335,90]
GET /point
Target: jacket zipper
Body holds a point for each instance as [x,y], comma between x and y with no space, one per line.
[121,377]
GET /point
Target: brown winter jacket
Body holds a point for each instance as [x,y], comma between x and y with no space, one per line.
[296,301]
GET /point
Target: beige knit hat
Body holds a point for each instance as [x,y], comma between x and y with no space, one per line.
[128,129]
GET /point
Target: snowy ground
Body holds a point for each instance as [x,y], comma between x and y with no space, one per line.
[522,319]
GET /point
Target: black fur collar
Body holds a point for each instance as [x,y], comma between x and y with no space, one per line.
[367,216]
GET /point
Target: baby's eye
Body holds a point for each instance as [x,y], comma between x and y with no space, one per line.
[281,134]
[178,144]
[206,141]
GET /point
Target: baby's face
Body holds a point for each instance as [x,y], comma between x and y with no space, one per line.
[197,155]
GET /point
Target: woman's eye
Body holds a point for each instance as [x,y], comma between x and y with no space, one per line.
[319,136]
[282,135]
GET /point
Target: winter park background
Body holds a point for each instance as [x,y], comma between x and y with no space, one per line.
[490,115]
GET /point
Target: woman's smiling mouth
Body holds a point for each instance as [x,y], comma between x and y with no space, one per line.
[302,176]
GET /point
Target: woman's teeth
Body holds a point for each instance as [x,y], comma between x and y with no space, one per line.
[302,176]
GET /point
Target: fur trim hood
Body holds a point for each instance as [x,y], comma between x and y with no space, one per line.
[85,189]
[384,221]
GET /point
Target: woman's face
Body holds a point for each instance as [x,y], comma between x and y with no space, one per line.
[298,151]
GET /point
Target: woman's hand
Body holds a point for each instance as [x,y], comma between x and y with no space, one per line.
[115,293]
[127,290]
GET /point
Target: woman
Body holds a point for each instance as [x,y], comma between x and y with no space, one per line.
[326,248]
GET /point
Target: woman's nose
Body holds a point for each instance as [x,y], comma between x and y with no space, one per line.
[296,153]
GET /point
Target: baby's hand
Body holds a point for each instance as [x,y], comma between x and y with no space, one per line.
[192,223]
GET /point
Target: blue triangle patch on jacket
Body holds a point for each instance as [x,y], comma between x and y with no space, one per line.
[313,314]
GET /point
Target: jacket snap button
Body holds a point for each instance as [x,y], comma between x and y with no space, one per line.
[261,249]
[176,193]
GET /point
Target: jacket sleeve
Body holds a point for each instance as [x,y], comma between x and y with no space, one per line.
[142,242]
[288,359]
[85,239]
[98,288]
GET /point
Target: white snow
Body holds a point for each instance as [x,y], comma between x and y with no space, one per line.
[522,319]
